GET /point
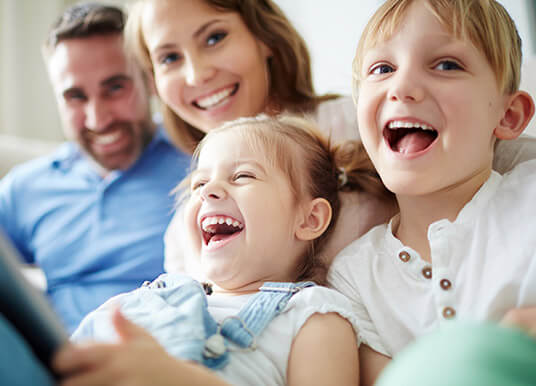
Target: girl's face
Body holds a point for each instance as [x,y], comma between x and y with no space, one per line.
[241,216]
[208,67]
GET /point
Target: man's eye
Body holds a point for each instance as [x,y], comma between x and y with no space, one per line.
[75,97]
[116,87]
[381,69]
[215,38]
[448,65]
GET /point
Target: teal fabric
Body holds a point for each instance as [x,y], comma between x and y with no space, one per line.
[18,366]
[465,354]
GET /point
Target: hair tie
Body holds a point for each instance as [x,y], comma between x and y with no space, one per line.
[342,177]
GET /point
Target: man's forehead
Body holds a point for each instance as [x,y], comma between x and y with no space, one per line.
[95,61]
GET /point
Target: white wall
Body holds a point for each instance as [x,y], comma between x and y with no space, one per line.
[330,27]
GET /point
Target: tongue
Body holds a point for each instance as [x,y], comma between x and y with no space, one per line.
[220,237]
[414,142]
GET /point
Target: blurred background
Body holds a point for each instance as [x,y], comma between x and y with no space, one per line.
[330,28]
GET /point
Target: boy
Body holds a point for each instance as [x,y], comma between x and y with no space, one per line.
[438,86]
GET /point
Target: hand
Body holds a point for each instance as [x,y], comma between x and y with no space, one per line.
[138,359]
[523,318]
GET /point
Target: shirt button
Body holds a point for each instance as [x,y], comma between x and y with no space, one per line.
[445,284]
[404,256]
[427,272]
[449,312]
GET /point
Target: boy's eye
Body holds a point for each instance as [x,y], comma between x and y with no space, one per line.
[381,68]
[448,65]
[215,38]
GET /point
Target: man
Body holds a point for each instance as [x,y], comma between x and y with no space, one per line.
[93,214]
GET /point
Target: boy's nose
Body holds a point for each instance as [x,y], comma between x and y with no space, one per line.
[406,87]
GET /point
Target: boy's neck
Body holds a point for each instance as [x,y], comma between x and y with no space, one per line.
[417,213]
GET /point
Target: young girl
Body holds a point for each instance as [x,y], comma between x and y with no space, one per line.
[217,60]
[262,199]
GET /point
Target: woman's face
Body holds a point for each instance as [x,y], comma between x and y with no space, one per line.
[208,67]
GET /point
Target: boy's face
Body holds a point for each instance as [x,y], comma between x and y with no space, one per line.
[427,108]
[241,215]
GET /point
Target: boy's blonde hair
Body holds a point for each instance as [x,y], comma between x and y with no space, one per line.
[291,84]
[314,167]
[483,22]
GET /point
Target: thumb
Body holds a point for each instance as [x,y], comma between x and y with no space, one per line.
[126,330]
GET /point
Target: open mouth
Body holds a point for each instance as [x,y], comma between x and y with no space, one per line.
[216,229]
[216,99]
[409,137]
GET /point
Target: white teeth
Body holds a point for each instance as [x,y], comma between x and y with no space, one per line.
[214,99]
[213,220]
[106,139]
[408,125]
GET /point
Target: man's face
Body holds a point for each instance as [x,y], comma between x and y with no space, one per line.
[102,100]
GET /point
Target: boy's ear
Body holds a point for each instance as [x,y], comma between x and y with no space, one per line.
[315,220]
[518,114]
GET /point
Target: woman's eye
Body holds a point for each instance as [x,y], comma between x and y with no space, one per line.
[169,58]
[448,65]
[381,69]
[215,38]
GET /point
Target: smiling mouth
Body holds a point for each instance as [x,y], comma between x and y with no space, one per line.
[220,228]
[409,137]
[216,99]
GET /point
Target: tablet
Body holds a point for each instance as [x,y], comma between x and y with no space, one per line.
[27,309]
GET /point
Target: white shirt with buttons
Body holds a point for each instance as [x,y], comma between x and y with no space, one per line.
[482,265]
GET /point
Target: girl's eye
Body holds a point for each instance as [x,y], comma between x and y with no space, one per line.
[448,65]
[381,68]
[196,185]
[169,58]
[240,175]
[215,38]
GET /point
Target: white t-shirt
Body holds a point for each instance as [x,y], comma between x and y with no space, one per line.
[483,264]
[267,365]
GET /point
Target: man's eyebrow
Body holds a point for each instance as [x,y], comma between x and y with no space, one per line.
[115,79]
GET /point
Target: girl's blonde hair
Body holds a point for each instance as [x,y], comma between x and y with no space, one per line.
[314,167]
[291,84]
[483,22]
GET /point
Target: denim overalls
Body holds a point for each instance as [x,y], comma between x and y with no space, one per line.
[174,309]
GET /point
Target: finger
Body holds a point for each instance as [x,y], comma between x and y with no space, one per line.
[74,358]
[125,328]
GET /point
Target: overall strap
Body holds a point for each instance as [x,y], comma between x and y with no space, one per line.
[259,311]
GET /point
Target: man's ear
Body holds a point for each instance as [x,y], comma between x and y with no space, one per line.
[518,114]
[316,219]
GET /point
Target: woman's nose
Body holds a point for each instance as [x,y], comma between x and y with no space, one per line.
[198,70]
